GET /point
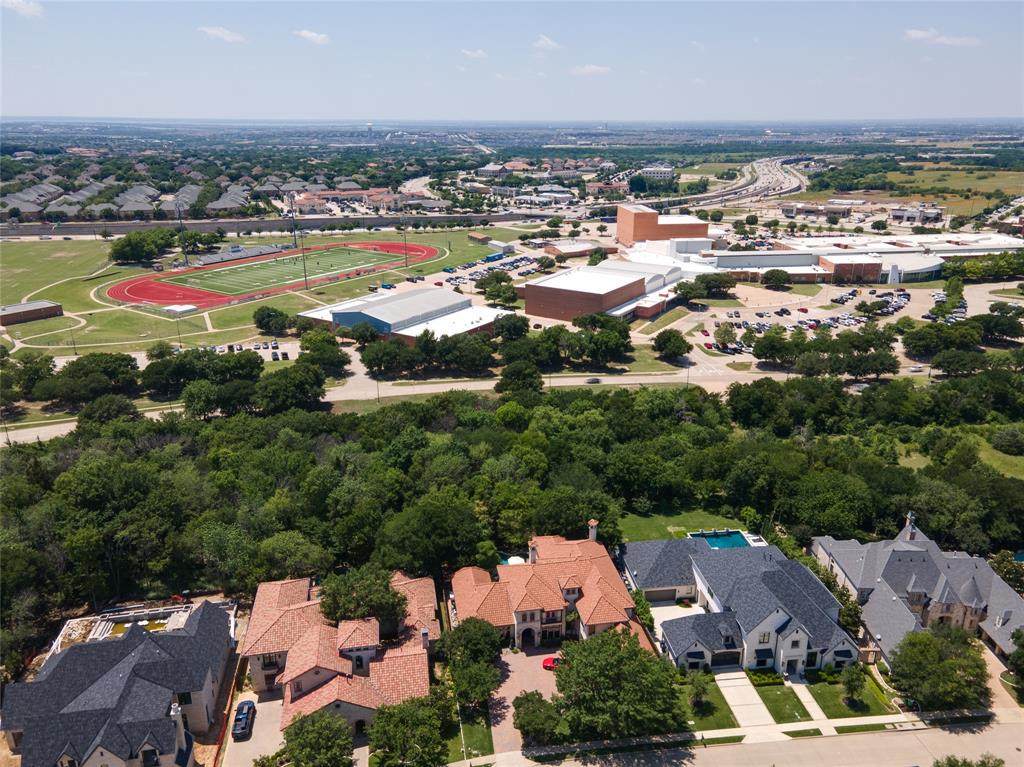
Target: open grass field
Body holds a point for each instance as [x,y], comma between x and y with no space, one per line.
[1011,182]
[664,320]
[954,204]
[77,273]
[637,528]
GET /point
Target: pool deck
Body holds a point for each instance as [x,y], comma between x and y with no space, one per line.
[729,539]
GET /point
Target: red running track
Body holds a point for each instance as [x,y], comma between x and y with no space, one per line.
[151,289]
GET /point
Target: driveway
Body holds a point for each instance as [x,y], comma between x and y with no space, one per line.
[266,733]
[743,699]
[667,611]
[520,672]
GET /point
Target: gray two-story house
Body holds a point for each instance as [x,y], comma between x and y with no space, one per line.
[131,701]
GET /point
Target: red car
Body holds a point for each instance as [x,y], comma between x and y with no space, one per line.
[550,664]
[704,332]
[707,346]
[802,310]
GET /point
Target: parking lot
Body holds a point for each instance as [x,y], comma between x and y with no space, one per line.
[266,733]
[520,672]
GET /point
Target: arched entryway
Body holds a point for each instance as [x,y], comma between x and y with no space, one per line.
[360,727]
[527,638]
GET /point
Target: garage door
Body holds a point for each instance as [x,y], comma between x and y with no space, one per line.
[731,658]
[661,595]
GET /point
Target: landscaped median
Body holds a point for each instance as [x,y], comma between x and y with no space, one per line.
[579,751]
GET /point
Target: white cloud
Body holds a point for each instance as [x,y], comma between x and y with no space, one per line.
[934,37]
[26,8]
[545,43]
[317,38]
[589,70]
[220,33]
[474,53]
[700,82]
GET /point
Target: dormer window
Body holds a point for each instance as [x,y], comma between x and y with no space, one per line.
[150,757]
[67,761]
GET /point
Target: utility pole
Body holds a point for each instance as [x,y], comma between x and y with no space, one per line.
[291,199]
[405,240]
[181,228]
[177,325]
[74,346]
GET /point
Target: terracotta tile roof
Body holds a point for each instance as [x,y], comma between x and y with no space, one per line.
[281,614]
[399,676]
[356,690]
[317,648]
[477,596]
[638,631]
[421,607]
[560,564]
[364,632]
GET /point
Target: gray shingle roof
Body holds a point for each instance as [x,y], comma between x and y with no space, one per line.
[115,694]
[661,564]
[712,631]
[913,563]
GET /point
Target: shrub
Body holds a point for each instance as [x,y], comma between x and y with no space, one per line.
[764,678]
[1009,440]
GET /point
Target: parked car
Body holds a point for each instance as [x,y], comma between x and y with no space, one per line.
[275,356]
[265,344]
[273,345]
[802,309]
[703,332]
[593,380]
[550,664]
[245,717]
[284,355]
[439,284]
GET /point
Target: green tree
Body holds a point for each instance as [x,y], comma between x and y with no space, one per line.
[716,216]
[775,279]
[879,226]
[725,334]
[853,681]
[519,377]
[1015,660]
[200,399]
[643,609]
[986,760]
[537,719]
[363,333]
[941,668]
[472,641]
[611,687]
[363,592]
[671,344]
[408,735]
[320,347]
[474,682]
[159,351]
[320,739]
[271,321]
[700,686]
[1009,569]
[300,386]
[109,407]
[750,220]
[545,263]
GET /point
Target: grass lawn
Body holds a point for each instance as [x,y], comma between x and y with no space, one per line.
[27,266]
[914,460]
[979,181]
[236,316]
[805,289]
[811,733]
[1008,293]
[1010,465]
[656,526]
[712,714]
[665,320]
[646,360]
[42,327]
[832,699]
[477,732]
[722,302]
[783,704]
[1013,686]
[844,729]
[739,365]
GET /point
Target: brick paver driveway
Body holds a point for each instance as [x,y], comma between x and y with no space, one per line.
[520,672]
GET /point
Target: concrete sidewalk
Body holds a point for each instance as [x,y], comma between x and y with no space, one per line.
[743,699]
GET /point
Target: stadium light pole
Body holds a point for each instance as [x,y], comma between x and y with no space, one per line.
[302,250]
[291,199]
[405,240]
[181,228]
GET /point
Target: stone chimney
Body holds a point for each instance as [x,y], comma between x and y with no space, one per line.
[533,552]
[911,529]
[425,638]
[592,529]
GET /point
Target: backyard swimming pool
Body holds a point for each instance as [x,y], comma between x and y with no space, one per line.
[723,539]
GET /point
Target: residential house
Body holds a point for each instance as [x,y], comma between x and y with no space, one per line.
[761,610]
[909,583]
[565,587]
[349,669]
[130,701]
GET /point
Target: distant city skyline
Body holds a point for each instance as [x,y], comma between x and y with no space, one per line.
[767,62]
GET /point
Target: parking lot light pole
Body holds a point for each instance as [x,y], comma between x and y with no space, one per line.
[302,249]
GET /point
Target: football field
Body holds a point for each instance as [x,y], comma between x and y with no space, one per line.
[255,276]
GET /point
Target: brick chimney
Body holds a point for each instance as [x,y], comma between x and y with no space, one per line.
[425,638]
[592,529]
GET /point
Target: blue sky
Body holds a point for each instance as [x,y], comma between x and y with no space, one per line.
[629,60]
